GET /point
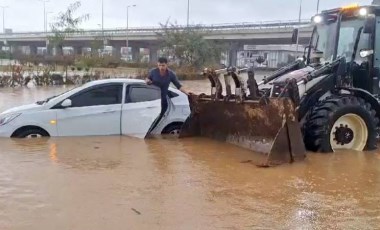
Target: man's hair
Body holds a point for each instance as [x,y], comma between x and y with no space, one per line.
[163,60]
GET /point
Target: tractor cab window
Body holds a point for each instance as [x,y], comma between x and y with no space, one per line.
[323,41]
[347,37]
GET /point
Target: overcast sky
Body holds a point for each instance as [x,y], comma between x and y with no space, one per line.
[27,15]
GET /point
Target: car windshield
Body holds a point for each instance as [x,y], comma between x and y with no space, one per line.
[49,98]
[323,39]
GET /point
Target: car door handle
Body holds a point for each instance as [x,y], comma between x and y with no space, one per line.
[110,111]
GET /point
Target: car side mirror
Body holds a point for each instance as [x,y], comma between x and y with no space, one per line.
[294,36]
[370,24]
[66,103]
[365,53]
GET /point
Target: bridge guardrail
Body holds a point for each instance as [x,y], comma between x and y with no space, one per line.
[147,30]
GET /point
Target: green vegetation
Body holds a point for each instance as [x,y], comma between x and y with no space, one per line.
[188,47]
[66,23]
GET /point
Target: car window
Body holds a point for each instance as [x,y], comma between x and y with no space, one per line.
[143,93]
[105,95]
[171,94]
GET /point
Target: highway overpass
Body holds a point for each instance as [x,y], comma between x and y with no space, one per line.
[236,36]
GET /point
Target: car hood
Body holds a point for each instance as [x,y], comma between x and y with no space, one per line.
[23,108]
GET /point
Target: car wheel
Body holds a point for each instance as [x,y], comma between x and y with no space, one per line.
[32,133]
[173,130]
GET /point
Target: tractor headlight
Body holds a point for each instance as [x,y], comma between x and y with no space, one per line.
[318,19]
[8,118]
[365,53]
[363,12]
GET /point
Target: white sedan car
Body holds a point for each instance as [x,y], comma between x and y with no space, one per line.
[104,107]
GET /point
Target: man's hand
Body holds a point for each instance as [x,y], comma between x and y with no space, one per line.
[148,81]
[183,90]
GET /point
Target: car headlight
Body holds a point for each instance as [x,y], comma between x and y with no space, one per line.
[8,118]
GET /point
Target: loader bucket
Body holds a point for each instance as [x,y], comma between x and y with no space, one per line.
[266,126]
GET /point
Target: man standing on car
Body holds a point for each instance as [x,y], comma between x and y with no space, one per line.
[161,77]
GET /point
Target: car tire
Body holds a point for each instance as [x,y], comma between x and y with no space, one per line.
[351,118]
[32,133]
[173,129]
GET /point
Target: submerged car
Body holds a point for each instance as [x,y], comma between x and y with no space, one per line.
[104,107]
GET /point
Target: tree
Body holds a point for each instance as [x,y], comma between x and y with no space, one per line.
[188,46]
[65,25]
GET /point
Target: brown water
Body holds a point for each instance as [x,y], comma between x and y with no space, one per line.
[125,183]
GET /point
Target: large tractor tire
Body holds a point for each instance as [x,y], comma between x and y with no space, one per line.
[339,123]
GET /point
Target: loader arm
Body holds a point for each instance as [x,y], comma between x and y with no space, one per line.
[286,69]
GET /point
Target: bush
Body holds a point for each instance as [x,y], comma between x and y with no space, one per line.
[137,65]
[187,73]
[96,61]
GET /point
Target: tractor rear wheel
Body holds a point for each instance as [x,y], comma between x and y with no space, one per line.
[339,123]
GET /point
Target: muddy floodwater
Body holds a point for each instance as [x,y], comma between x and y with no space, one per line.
[99,183]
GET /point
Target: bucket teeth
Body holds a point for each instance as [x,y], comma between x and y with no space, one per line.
[262,124]
[216,85]
[227,82]
[252,86]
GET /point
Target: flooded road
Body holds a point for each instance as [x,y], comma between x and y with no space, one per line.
[125,183]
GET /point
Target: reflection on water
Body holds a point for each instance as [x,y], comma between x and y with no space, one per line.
[164,183]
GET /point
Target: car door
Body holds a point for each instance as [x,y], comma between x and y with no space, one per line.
[94,111]
[142,107]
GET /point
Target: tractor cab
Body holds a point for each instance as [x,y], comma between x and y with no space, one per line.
[348,32]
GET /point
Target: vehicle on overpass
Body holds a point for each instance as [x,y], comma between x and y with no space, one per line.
[326,101]
[104,107]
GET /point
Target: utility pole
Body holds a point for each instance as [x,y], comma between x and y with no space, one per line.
[126,32]
[4,7]
[317,6]
[188,12]
[46,23]
[44,2]
[104,43]
[299,25]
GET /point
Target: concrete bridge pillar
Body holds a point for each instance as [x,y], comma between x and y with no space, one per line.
[78,50]
[105,42]
[116,51]
[153,54]
[135,54]
[49,50]
[232,57]
[232,54]
[33,50]
[14,49]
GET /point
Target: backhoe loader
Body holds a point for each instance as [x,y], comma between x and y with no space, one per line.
[326,101]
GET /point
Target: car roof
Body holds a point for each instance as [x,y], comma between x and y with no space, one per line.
[105,81]
[123,80]
[115,80]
